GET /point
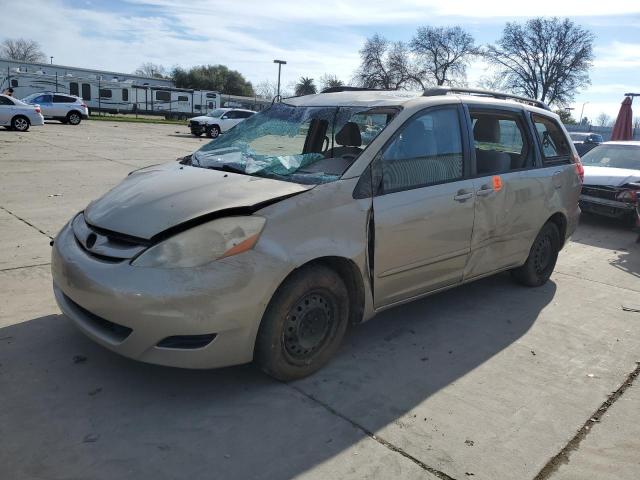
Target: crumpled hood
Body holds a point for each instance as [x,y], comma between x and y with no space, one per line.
[201,119]
[608,176]
[154,199]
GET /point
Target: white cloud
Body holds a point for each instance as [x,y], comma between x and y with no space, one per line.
[618,55]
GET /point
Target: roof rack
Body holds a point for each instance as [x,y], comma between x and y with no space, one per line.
[352,89]
[432,92]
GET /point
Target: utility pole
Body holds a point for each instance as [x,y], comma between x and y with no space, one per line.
[51,60]
[581,112]
[280,63]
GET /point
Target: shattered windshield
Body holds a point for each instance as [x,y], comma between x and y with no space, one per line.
[613,156]
[299,144]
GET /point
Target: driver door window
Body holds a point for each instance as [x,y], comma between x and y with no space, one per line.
[427,151]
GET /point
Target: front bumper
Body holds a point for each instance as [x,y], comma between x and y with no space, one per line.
[606,207]
[196,128]
[130,310]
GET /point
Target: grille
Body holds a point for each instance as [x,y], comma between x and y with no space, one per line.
[608,193]
[106,245]
[110,329]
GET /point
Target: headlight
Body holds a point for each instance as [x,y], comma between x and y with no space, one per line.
[629,196]
[205,243]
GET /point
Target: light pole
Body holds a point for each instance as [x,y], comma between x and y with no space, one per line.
[51,60]
[280,63]
[581,112]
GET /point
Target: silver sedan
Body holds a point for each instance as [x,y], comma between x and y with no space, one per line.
[17,115]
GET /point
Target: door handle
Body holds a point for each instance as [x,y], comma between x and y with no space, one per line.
[484,191]
[463,196]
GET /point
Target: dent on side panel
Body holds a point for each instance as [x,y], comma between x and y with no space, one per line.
[323,222]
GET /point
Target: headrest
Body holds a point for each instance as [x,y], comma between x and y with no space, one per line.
[486,129]
[349,135]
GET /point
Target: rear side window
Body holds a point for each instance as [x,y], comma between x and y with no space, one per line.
[553,143]
[63,99]
[426,151]
[499,141]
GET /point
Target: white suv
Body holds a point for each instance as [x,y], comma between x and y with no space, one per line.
[218,121]
[58,106]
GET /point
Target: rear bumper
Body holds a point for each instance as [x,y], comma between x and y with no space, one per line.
[605,207]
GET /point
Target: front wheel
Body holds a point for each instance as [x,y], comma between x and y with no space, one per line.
[213,131]
[304,324]
[21,124]
[542,258]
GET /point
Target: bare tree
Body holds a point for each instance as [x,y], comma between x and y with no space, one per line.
[385,65]
[547,59]
[330,81]
[636,123]
[149,69]
[22,50]
[267,89]
[443,53]
[603,120]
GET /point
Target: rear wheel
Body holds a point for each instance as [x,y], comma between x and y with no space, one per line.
[20,123]
[542,258]
[74,118]
[304,324]
[213,131]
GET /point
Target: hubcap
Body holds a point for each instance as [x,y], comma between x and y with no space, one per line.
[21,124]
[214,132]
[309,325]
[74,119]
[542,253]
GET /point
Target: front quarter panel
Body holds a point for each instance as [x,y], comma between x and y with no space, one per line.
[325,221]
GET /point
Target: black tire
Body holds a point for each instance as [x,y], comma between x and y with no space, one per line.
[542,258]
[213,131]
[20,123]
[304,324]
[74,118]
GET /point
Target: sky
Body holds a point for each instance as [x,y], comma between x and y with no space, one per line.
[313,37]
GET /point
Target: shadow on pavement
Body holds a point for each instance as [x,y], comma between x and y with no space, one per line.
[603,232]
[71,409]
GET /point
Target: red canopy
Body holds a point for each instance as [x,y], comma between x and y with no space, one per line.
[622,128]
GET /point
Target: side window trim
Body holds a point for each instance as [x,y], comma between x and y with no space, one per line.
[376,167]
[529,134]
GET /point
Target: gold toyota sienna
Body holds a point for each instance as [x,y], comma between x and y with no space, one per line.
[314,215]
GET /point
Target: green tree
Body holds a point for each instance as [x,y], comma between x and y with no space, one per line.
[330,81]
[305,86]
[565,116]
[212,77]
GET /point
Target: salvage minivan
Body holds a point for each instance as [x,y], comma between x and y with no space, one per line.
[314,215]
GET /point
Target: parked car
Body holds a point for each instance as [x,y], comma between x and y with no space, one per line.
[268,242]
[218,121]
[585,141]
[17,115]
[57,106]
[611,180]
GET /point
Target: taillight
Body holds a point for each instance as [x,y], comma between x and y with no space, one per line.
[83,105]
[37,109]
[575,159]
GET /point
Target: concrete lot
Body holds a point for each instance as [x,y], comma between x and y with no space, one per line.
[488,381]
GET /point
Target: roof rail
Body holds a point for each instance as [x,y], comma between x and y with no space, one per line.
[432,92]
[352,89]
